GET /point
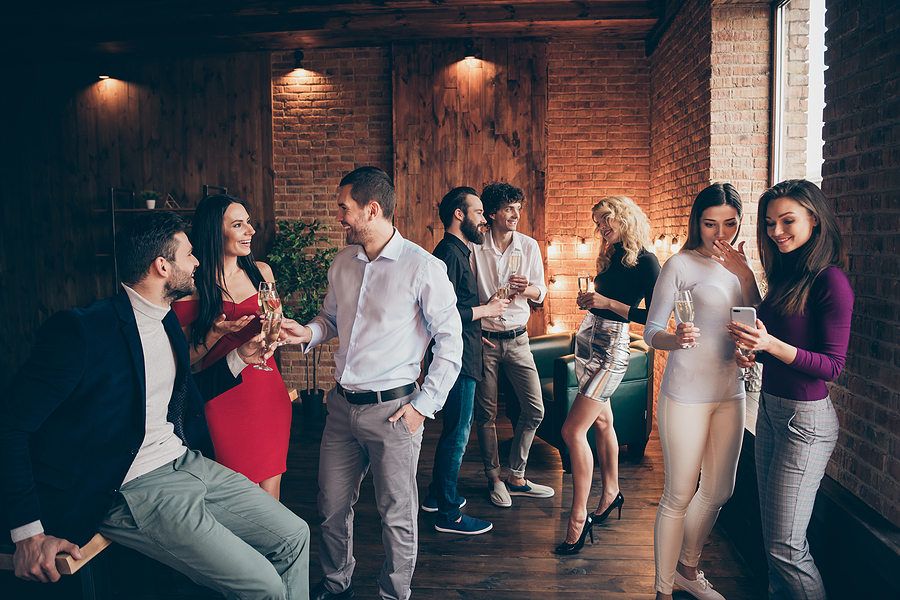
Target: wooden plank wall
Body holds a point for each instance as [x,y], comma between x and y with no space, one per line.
[170,124]
[468,121]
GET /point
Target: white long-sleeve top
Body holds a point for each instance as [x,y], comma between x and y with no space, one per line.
[708,372]
[385,312]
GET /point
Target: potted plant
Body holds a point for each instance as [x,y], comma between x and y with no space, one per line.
[300,258]
[150,197]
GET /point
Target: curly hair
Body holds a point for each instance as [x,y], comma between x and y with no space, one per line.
[634,229]
[497,195]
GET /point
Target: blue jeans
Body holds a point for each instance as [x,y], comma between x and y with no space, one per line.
[457,414]
[794,441]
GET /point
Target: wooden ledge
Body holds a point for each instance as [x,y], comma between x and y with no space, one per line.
[65,564]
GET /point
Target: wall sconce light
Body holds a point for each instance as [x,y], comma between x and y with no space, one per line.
[660,240]
[676,244]
[298,59]
[470,50]
[551,249]
[582,243]
[552,281]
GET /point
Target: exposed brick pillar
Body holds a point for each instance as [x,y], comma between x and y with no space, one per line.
[329,119]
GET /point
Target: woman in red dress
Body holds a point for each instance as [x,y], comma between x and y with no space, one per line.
[250,424]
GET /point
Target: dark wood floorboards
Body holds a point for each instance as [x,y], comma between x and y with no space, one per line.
[514,561]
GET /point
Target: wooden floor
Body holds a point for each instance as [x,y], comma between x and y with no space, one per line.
[514,561]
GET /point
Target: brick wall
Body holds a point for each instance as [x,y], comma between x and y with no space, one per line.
[680,100]
[328,119]
[862,175]
[598,128]
[709,115]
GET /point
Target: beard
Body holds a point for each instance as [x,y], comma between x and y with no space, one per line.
[181,286]
[470,230]
[358,235]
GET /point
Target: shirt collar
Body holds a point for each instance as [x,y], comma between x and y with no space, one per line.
[460,245]
[144,306]
[516,243]
[391,251]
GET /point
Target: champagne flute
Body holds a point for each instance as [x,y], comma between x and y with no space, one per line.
[684,310]
[585,284]
[503,294]
[515,262]
[268,298]
[271,328]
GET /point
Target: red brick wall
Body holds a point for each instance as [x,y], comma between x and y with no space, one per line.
[680,102]
[598,128]
[862,175]
[329,119]
[709,115]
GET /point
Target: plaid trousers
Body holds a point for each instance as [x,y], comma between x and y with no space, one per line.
[794,440]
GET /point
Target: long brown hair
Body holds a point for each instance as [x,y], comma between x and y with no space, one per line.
[634,230]
[717,194]
[789,288]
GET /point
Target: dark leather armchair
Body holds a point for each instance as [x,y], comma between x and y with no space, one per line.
[632,404]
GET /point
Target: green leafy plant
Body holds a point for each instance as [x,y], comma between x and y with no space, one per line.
[300,258]
[150,195]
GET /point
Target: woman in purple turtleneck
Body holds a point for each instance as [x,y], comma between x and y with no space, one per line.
[801,341]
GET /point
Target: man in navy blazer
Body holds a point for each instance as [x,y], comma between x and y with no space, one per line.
[103,429]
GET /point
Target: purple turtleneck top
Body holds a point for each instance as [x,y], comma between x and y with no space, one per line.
[820,334]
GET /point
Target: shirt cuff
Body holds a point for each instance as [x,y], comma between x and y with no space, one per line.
[235,363]
[425,405]
[317,336]
[26,531]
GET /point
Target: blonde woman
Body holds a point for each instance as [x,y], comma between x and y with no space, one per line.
[626,274]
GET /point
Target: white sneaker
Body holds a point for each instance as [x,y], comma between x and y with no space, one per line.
[700,588]
[500,495]
[531,489]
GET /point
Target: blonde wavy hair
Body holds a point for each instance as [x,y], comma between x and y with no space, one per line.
[634,229]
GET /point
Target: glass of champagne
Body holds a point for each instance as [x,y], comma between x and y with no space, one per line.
[271,328]
[684,310]
[585,284]
[268,298]
[503,294]
[515,262]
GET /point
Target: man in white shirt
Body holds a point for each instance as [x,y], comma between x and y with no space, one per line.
[103,428]
[387,298]
[510,347]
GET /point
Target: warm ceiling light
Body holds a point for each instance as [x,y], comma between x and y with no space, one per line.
[298,59]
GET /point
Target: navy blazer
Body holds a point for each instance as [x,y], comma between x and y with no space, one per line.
[73,418]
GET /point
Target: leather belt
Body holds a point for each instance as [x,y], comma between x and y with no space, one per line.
[376,397]
[505,335]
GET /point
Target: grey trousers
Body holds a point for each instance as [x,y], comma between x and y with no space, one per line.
[216,527]
[355,439]
[518,363]
[794,441]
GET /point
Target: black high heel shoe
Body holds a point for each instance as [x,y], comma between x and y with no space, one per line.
[566,548]
[617,503]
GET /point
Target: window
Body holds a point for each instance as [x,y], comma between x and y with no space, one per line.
[799,92]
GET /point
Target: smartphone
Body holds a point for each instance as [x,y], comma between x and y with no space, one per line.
[745,315]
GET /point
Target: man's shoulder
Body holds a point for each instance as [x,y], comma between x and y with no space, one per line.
[527,241]
[412,252]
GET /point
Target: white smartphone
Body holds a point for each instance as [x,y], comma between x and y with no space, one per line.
[745,315]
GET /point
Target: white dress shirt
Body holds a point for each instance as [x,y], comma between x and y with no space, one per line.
[492,267]
[385,312]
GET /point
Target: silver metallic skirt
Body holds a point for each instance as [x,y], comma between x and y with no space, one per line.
[601,356]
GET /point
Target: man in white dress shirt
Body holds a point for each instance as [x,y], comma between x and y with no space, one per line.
[387,298]
[510,347]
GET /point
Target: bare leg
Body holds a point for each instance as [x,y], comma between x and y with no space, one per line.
[607,455]
[582,415]
[273,486]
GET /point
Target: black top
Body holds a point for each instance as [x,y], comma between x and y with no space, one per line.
[628,285]
[455,255]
